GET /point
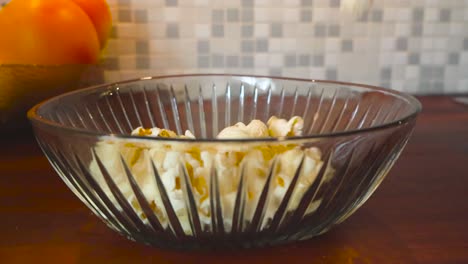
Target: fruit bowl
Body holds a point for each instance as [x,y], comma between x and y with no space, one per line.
[205,191]
[22,86]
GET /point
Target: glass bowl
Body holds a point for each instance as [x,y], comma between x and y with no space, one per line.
[208,192]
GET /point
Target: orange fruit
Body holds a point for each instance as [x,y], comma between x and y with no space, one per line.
[47,32]
[99,13]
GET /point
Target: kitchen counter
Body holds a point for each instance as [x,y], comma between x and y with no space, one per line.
[418,215]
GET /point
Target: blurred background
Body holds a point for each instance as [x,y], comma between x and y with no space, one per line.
[418,46]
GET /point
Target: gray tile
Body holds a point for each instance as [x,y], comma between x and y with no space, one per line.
[438,86]
[335,3]
[141,16]
[306,16]
[217,30]
[306,2]
[217,60]
[418,14]
[432,72]
[172,30]
[247,31]
[247,15]
[318,60]
[386,73]
[364,17]
[417,30]
[247,46]
[425,86]
[261,45]
[275,72]
[141,47]
[401,44]
[347,45]
[453,58]
[445,15]
[111,64]
[232,61]
[247,3]
[276,30]
[438,72]
[114,32]
[217,15]
[386,84]
[290,60]
[247,61]
[414,58]
[304,60]
[334,30]
[376,16]
[320,30]
[203,46]
[142,62]
[203,61]
[232,15]
[331,74]
[465,44]
[171,3]
[124,15]
[425,73]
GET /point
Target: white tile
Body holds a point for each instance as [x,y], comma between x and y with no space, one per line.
[261,60]
[387,44]
[290,30]
[112,76]
[333,45]
[427,58]
[402,29]
[390,14]
[275,45]
[464,59]
[402,14]
[457,28]
[126,46]
[412,72]
[172,14]
[428,44]
[431,14]
[400,58]
[291,14]
[331,59]
[317,73]
[320,14]
[127,62]
[440,43]
[262,30]
[289,44]
[276,60]
[202,30]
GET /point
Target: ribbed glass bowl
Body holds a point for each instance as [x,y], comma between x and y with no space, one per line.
[208,192]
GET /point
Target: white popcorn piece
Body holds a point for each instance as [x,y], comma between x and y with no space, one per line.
[226,158]
[285,128]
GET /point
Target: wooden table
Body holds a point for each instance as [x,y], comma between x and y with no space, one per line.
[418,215]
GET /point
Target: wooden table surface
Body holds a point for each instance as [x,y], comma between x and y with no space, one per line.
[418,215]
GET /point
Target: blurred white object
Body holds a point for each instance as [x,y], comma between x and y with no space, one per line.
[355,8]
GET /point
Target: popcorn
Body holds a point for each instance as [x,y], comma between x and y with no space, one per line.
[229,159]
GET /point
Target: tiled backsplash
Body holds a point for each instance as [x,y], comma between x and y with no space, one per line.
[420,46]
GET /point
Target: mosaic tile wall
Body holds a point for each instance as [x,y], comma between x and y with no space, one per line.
[419,46]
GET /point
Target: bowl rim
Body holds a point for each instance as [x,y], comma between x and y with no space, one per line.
[35,118]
